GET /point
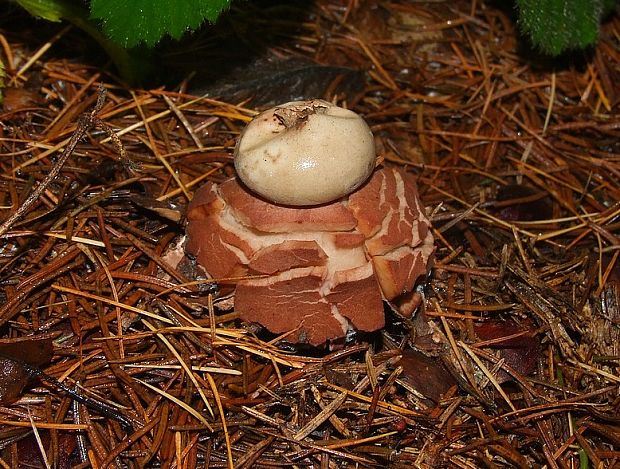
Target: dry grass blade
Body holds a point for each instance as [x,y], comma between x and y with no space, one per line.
[184,365]
[321,417]
[178,402]
[488,374]
[218,401]
[112,303]
[43,425]
[37,436]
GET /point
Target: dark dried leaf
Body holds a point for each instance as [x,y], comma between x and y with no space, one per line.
[13,352]
[29,453]
[521,353]
[426,375]
[13,379]
[20,99]
[35,351]
[272,81]
[517,202]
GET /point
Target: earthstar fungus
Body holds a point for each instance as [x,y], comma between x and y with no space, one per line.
[317,271]
[305,153]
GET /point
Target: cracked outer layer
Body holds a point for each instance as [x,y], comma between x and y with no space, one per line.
[318,271]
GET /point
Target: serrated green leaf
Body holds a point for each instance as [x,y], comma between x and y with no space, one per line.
[131,22]
[555,26]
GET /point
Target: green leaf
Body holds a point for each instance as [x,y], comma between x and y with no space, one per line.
[555,26]
[51,10]
[131,22]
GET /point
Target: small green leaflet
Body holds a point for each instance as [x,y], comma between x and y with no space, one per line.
[51,10]
[131,22]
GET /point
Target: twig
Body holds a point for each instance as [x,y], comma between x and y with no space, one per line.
[86,122]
